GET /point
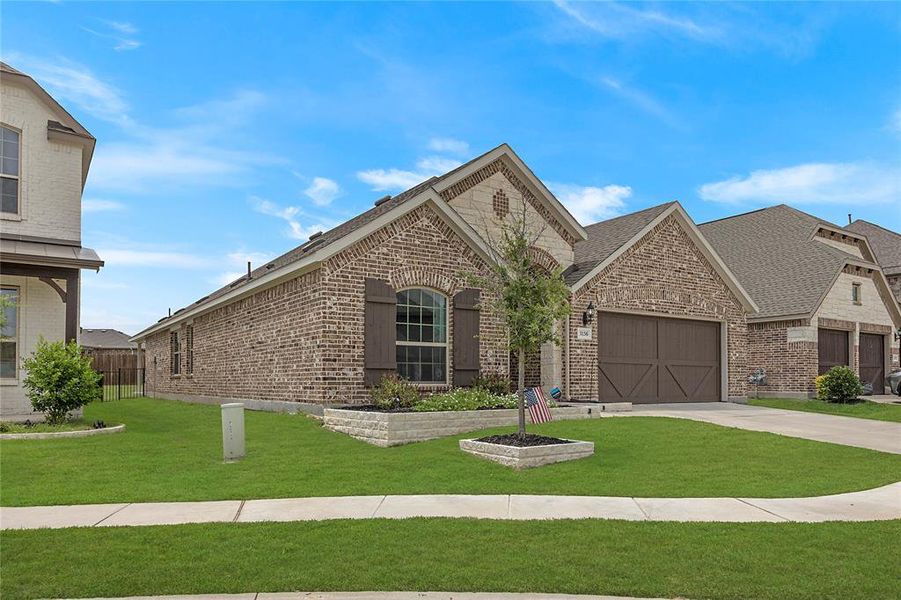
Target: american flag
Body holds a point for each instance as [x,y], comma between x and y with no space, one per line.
[537,405]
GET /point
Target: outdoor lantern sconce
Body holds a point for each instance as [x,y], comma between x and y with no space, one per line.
[588,315]
[897,335]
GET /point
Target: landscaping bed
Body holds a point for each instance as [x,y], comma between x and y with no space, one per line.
[530,450]
[44,431]
[394,428]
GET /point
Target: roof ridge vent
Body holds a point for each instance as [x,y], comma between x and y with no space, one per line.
[382,200]
[315,235]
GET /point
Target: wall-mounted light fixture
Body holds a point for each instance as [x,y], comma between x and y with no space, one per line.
[588,315]
[897,335]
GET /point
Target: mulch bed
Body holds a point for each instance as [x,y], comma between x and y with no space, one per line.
[530,439]
[373,408]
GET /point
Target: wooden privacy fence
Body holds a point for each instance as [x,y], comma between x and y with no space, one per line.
[106,360]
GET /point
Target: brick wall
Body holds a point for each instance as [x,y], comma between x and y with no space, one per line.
[41,313]
[662,273]
[788,352]
[302,340]
[50,172]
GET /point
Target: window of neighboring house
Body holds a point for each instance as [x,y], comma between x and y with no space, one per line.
[189,350]
[174,354]
[422,336]
[9,170]
[856,297]
[9,336]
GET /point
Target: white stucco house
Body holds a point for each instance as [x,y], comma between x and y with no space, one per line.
[45,155]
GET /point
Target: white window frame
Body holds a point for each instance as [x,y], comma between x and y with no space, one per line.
[15,336]
[856,293]
[445,344]
[17,177]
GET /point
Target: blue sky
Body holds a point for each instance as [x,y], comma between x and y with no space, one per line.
[230,132]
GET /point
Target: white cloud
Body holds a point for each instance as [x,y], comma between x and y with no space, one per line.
[98,205]
[116,257]
[322,191]
[289,214]
[589,204]
[642,100]
[449,145]
[121,33]
[852,183]
[99,284]
[70,82]
[619,21]
[400,179]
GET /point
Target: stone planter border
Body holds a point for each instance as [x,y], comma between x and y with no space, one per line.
[529,456]
[48,435]
[394,429]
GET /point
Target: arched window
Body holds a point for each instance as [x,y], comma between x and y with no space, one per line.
[422,335]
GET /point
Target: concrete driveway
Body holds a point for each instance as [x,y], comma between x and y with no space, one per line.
[883,436]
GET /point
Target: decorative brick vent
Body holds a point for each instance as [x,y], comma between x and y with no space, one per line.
[501,204]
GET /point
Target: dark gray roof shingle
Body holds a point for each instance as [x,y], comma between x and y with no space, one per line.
[886,244]
[772,254]
[606,237]
[106,338]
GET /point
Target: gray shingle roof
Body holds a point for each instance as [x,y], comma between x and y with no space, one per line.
[606,237]
[772,254]
[105,338]
[886,244]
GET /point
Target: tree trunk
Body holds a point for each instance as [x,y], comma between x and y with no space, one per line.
[521,393]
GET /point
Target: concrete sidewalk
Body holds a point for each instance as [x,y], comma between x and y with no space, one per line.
[378,596]
[883,436]
[870,505]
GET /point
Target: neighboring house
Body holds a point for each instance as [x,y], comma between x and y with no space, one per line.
[385,293]
[44,159]
[823,299]
[109,349]
[886,245]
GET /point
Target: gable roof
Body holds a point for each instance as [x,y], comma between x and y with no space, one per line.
[105,338]
[606,237]
[886,244]
[607,240]
[66,128]
[774,254]
[321,246]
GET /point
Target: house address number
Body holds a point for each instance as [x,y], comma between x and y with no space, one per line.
[583,333]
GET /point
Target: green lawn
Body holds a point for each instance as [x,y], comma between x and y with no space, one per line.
[864,410]
[694,560]
[172,451]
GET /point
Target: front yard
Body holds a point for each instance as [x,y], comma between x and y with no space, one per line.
[693,560]
[172,451]
[864,410]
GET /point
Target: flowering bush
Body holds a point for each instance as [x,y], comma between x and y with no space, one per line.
[838,384]
[394,392]
[465,399]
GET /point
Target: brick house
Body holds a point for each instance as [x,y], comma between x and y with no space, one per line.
[823,298]
[886,246]
[385,292]
[45,155]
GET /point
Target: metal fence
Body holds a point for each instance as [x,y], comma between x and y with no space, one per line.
[121,383]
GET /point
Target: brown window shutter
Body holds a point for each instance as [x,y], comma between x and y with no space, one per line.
[380,335]
[466,337]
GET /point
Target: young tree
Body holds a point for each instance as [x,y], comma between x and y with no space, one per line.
[60,379]
[529,300]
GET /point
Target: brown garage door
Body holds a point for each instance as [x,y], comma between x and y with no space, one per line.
[652,359]
[832,348]
[872,361]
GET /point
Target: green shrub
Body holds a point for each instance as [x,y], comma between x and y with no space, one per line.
[394,392]
[493,383]
[838,384]
[465,399]
[59,380]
